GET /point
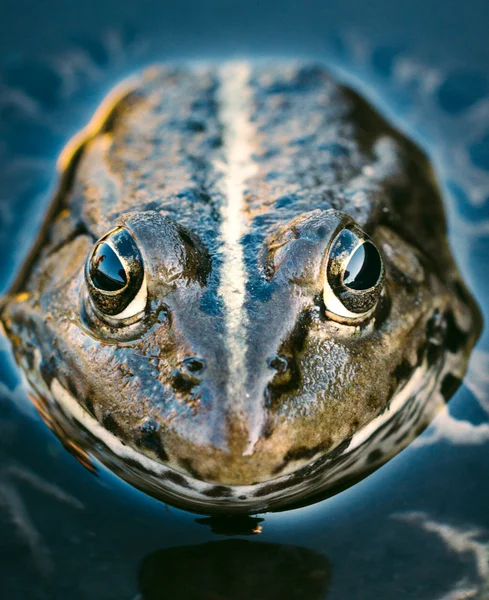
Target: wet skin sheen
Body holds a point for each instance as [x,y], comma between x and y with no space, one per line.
[243,297]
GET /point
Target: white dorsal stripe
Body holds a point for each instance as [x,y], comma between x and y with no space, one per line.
[235,106]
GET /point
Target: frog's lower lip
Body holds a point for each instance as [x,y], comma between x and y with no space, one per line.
[321,477]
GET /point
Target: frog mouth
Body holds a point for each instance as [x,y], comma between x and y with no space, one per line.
[322,476]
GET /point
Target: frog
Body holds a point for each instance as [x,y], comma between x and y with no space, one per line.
[242,298]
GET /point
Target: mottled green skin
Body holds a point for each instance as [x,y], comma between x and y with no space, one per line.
[318,147]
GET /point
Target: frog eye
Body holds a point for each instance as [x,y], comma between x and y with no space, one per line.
[354,276]
[114,273]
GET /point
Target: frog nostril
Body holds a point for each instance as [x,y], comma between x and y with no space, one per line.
[283,372]
[187,375]
[286,376]
[278,363]
[192,364]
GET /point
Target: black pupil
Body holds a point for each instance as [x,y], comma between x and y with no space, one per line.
[106,270]
[364,268]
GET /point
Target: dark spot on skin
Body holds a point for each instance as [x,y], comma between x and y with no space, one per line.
[154,205]
[69,384]
[215,142]
[186,464]
[195,126]
[205,196]
[197,164]
[419,430]
[193,195]
[328,457]
[403,371]
[176,478]
[339,449]
[455,337]
[149,437]
[111,425]
[389,429]
[83,397]
[402,437]
[187,239]
[461,290]
[89,405]
[206,103]
[420,354]
[302,141]
[301,453]
[335,149]
[267,155]
[218,491]
[271,488]
[449,386]
[272,175]
[433,354]
[210,305]
[134,464]
[374,456]
[382,311]
[262,221]
[45,370]
[284,201]
[267,430]
[373,399]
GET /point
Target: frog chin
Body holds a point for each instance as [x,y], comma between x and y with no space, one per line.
[372,445]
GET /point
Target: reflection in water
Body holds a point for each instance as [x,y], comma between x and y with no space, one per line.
[461,431]
[235,569]
[18,480]
[469,543]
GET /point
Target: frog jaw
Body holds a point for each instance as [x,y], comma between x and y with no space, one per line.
[320,477]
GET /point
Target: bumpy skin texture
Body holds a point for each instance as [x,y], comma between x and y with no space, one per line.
[162,385]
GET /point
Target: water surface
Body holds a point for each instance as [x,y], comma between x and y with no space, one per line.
[416,529]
